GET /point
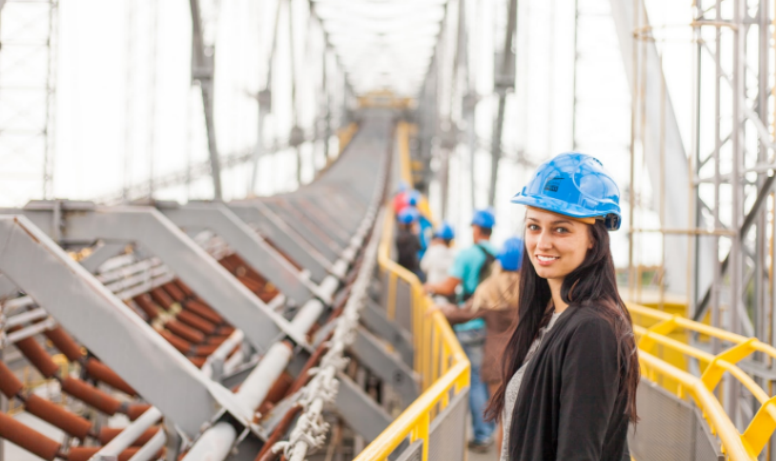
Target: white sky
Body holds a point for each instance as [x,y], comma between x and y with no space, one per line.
[125,106]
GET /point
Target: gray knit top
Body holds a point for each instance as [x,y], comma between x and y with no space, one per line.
[513,388]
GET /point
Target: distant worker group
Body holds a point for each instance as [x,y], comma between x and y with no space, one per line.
[550,341]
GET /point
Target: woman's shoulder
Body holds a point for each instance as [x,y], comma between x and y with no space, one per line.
[587,322]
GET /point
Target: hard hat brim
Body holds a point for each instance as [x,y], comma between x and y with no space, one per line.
[564,208]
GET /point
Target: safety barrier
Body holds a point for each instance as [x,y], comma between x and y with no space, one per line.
[659,327]
[439,359]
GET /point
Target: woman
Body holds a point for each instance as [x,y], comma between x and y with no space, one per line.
[570,368]
[495,301]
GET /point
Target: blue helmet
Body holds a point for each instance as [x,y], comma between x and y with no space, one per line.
[575,185]
[445,231]
[484,218]
[408,215]
[511,255]
[413,198]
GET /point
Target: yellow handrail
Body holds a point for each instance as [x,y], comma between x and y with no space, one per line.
[761,428]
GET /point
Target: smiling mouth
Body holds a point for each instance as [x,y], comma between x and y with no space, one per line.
[545,258]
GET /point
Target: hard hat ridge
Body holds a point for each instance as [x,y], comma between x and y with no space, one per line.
[575,185]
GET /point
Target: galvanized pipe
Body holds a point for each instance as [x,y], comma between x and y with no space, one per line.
[128,436]
[26,317]
[222,352]
[151,448]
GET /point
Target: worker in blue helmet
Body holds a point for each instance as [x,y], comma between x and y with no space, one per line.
[439,257]
[425,227]
[571,366]
[495,302]
[470,268]
[408,242]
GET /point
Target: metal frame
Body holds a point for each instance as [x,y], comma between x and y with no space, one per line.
[83,223]
[103,323]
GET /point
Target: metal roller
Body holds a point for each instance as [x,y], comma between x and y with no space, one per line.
[36,355]
[146,304]
[203,310]
[103,373]
[86,453]
[135,411]
[32,441]
[57,416]
[183,346]
[9,383]
[205,349]
[161,297]
[65,343]
[197,322]
[184,331]
[174,291]
[185,288]
[109,433]
[91,396]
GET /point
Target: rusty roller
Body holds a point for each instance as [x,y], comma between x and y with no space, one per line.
[36,355]
[161,297]
[225,331]
[21,435]
[136,410]
[105,374]
[86,453]
[198,362]
[252,285]
[183,346]
[109,433]
[184,288]
[174,291]
[203,310]
[65,343]
[184,331]
[229,263]
[57,416]
[146,304]
[196,321]
[91,395]
[217,339]
[9,383]
[205,350]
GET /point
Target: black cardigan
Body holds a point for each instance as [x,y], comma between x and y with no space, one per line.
[569,406]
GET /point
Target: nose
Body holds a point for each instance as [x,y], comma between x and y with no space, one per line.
[544,241]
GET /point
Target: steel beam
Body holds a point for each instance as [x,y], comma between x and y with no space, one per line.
[256,252]
[359,410]
[101,254]
[104,324]
[675,180]
[373,317]
[149,228]
[388,366]
[284,237]
[315,237]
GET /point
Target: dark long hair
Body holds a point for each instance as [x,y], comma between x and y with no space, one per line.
[593,286]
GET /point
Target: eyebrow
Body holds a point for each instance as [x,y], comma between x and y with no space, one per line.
[558,221]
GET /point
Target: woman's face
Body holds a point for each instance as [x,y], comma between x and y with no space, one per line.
[556,244]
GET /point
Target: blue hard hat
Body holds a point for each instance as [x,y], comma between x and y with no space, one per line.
[445,231]
[575,185]
[408,215]
[511,255]
[484,218]
[413,198]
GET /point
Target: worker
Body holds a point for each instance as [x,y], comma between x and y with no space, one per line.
[494,301]
[425,228]
[438,259]
[400,199]
[408,243]
[570,370]
[470,267]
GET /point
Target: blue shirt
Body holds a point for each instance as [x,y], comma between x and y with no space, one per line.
[426,232]
[466,268]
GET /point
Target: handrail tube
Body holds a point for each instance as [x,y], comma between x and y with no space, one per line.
[712,409]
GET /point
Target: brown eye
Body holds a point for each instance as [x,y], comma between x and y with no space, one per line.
[533,227]
[561,230]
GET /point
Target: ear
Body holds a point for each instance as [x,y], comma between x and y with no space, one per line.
[590,237]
